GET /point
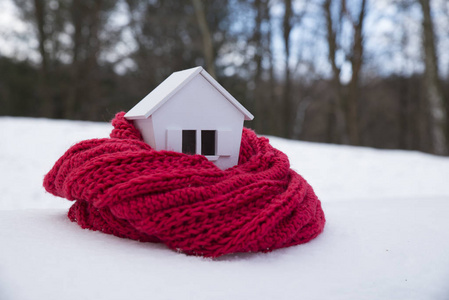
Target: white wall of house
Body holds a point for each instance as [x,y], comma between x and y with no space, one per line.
[146,129]
[197,106]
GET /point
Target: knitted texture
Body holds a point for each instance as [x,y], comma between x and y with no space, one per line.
[122,186]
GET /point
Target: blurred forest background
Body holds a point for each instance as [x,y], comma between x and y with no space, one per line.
[359,72]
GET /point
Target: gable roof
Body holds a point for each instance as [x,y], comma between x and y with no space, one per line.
[170,86]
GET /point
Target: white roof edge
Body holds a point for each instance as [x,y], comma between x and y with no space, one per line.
[137,111]
[150,103]
[227,95]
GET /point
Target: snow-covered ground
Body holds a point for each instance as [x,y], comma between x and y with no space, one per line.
[386,236]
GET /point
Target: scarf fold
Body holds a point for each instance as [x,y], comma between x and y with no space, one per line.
[122,186]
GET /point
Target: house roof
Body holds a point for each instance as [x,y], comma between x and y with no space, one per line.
[170,86]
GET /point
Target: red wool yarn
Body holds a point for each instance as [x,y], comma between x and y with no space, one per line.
[122,186]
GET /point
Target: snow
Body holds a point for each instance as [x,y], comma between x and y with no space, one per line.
[386,236]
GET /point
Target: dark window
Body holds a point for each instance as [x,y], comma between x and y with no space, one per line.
[208,142]
[189,141]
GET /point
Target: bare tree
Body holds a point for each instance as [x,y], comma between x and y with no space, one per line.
[289,21]
[84,53]
[356,59]
[435,98]
[346,104]
[260,40]
[287,26]
[337,103]
[35,13]
[208,48]
[271,127]
[39,10]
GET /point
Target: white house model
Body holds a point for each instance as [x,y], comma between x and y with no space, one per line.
[190,112]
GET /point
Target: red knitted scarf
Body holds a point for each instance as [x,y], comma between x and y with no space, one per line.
[125,188]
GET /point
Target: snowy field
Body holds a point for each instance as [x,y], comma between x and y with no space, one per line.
[386,236]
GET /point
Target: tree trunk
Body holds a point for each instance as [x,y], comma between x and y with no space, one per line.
[206,36]
[74,88]
[337,119]
[356,64]
[286,97]
[258,84]
[435,98]
[46,104]
[274,127]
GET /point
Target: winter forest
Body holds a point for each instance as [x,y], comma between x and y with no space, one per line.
[358,72]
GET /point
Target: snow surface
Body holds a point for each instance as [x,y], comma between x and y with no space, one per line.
[386,236]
